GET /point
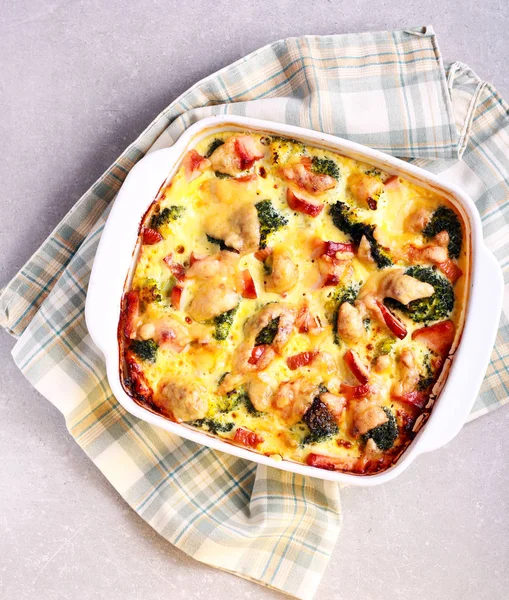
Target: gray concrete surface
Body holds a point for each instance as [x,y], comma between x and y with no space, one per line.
[79,80]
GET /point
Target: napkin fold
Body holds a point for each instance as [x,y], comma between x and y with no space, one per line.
[388,90]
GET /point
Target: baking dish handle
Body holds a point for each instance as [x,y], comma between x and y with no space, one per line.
[112,261]
[478,338]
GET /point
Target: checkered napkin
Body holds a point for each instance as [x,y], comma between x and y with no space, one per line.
[389,90]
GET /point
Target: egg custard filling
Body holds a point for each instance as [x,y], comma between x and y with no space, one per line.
[294,301]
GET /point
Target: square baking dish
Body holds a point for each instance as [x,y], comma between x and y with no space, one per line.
[462,374]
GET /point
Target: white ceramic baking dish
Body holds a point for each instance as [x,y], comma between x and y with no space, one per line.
[114,260]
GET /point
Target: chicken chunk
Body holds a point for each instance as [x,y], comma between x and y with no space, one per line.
[241,230]
[366,416]
[286,315]
[306,322]
[442,238]
[194,164]
[408,374]
[237,154]
[416,221]
[294,397]
[303,177]
[336,404]
[220,265]
[260,393]
[285,274]
[364,250]
[434,254]
[365,189]
[211,300]
[382,363]
[404,288]
[184,400]
[350,325]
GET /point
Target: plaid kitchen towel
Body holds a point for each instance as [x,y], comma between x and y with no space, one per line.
[389,90]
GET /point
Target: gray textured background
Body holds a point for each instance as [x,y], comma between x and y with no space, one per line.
[78,82]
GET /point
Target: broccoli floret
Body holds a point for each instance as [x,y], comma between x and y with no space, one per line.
[246,400]
[232,400]
[384,435]
[220,175]
[270,220]
[437,306]
[286,140]
[325,166]
[320,422]
[345,220]
[223,323]
[282,148]
[374,173]
[426,379]
[149,293]
[384,346]
[170,213]
[145,349]
[445,219]
[213,146]
[236,398]
[268,333]
[228,403]
[220,243]
[345,293]
[212,425]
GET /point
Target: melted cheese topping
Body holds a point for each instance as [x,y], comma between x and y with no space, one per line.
[202,381]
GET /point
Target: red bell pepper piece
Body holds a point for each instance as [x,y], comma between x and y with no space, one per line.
[300,360]
[247,438]
[355,365]
[311,208]
[392,322]
[151,236]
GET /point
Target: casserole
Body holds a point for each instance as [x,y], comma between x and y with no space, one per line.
[114,259]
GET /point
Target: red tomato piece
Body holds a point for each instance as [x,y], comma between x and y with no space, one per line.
[308,207]
[329,463]
[151,236]
[392,322]
[247,151]
[247,438]
[418,399]
[332,248]
[245,178]
[194,164]
[193,258]
[438,337]
[354,363]
[355,391]
[301,360]
[175,297]
[330,279]
[257,353]
[178,270]
[248,285]
[451,270]
[263,254]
